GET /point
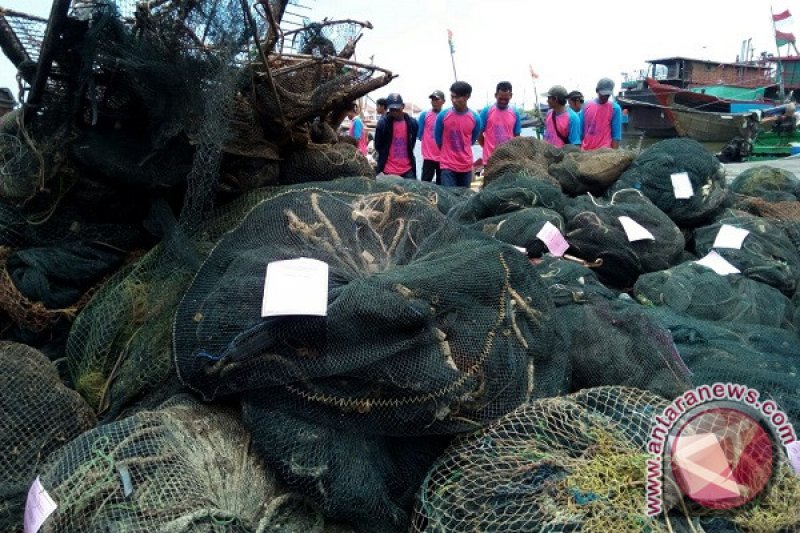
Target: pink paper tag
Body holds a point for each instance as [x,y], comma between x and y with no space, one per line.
[38,507]
[553,239]
[793,451]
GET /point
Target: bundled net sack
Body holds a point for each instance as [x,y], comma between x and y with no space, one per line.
[651,174]
[39,415]
[573,463]
[594,171]
[596,234]
[430,327]
[524,157]
[699,292]
[120,346]
[770,183]
[444,198]
[520,228]
[761,357]
[508,194]
[617,343]
[321,162]
[570,282]
[366,480]
[184,467]
[766,254]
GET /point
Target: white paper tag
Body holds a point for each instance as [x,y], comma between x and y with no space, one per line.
[682,185]
[296,287]
[793,451]
[38,507]
[521,249]
[553,239]
[730,237]
[634,230]
[718,264]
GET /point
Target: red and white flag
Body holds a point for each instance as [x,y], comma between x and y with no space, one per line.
[533,73]
[777,17]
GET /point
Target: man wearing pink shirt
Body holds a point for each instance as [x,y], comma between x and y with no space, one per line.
[430,152]
[602,119]
[455,132]
[562,125]
[395,137]
[499,122]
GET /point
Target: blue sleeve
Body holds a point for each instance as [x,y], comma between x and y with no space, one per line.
[437,131]
[476,130]
[574,128]
[484,115]
[420,124]
[358,127]
[616,123]
[517,123]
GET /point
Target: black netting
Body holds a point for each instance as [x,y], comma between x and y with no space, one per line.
[569,282]
[770,183]
[651,174]
[523,157]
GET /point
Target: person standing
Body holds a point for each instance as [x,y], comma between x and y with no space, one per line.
[575,100]
[357,129]
[380,108]
[395,137]
[562,125]
[602,119]
[499,121]
[455,132]
[430,151]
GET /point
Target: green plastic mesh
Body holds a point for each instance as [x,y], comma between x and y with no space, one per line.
[767,254]
[651,174]
[519,228]
[595,234]
[573,463]
[524,157]
[120,345]
[184,467]
[38,415]
[570,282]
[626,347]
[430,328]
[323,162]
[770,183]
[593,171]
[699,292]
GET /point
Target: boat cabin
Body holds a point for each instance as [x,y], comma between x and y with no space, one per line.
[686,73]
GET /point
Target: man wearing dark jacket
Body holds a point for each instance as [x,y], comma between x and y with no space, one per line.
[395,137]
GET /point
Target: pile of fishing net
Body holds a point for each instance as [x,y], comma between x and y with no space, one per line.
[39,415]
[697,291]
[599,232]
[183,467]
[323,162]
[431,328]
[572,463]
[770,183]
[522,156]
[593,171]
[766,254]
[652,174]
[570,282]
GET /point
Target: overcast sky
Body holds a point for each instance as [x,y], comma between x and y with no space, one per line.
[571,43]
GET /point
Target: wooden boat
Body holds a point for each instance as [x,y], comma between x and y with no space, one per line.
[711,122]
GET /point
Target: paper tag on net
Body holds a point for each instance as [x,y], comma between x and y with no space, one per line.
[553,239]
[296,287]
[682,185]
[793,451]
[730,237]
[634,230]
[38,507]
[718,264]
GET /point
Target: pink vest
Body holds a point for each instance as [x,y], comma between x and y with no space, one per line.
[429,149]
[597,125]
[456,154]
[398,162]
[562,121]
[498,129]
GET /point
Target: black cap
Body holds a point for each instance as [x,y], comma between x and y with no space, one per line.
[439,95]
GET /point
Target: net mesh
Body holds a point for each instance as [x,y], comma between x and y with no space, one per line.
[39,415]
[522,156]
[770,183]
[594,171]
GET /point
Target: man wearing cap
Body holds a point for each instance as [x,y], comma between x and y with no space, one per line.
[602,119]
[499,121]
[562,125]
[427,124]
[395,137]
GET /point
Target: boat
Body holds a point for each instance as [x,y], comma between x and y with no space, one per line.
[778,136]
[703,117]
[735,83]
